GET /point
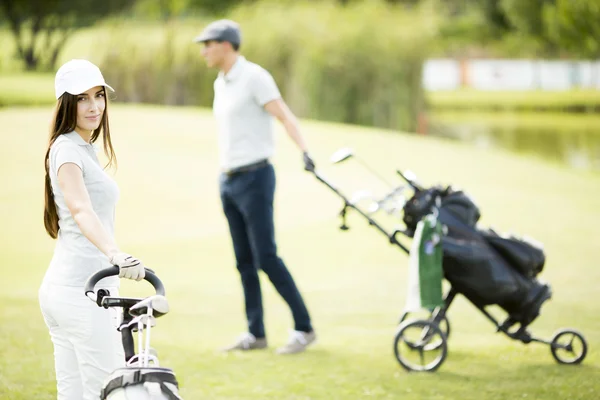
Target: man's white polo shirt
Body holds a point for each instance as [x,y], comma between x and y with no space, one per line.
[75,258]
[245,127]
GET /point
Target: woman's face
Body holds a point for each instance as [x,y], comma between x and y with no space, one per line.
[90,109]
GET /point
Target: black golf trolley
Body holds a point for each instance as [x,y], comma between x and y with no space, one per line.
[485,267]
[142,377]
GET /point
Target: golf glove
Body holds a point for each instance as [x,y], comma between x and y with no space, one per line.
[129,266]
[309,164]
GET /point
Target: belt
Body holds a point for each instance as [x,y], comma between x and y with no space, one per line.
[247,168]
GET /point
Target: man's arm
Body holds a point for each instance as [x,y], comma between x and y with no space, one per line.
[279,109]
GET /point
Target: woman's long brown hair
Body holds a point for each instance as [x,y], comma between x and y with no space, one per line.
[65,121]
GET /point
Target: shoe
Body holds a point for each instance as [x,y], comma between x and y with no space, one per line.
[247,341]
[298,342]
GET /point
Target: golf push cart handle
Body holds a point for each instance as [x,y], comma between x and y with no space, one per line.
[114,270]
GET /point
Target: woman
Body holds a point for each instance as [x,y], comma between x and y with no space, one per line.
[79,211]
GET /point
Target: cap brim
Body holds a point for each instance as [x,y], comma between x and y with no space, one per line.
[204,38]
[81,89]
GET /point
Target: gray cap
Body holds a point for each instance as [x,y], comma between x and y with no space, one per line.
[222,30]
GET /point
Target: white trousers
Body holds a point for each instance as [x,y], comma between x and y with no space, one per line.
[87,345]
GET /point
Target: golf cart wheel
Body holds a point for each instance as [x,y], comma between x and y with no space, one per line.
[568,347]
[443,324]
[420,346]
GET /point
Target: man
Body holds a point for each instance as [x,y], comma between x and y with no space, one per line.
[246,98]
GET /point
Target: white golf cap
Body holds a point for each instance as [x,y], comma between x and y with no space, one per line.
[77,76]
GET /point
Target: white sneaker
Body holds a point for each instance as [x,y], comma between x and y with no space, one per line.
[298,342]
[247,341]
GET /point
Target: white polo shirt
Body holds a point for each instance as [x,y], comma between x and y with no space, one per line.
[75,258]
[245,127]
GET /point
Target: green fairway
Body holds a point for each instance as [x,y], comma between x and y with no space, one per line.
[26,89]
[565,123]
[538,100]
[354,282]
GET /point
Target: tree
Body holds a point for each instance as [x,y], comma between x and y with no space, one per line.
[494,15]
[575,26]
[161,9]
[527,19]
[41,27]
[527,16]
[218,7]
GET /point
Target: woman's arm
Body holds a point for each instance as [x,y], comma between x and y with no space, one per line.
[70,181]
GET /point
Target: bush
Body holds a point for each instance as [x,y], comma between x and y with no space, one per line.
[160,65]
[355,64]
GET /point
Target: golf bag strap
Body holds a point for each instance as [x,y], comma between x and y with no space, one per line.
[137,377]
[162,379]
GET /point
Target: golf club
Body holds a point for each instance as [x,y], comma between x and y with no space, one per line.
[346,153]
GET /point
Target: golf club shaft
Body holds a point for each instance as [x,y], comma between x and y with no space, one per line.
[140,337]
[381,178]
[147,349]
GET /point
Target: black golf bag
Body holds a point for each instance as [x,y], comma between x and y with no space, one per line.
[484,266]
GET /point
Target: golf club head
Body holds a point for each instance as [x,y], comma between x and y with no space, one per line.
[410,175]
[341,155]
[360,196]
[140,360]
[346,153]
[157,303]
[145,320]
[373,207]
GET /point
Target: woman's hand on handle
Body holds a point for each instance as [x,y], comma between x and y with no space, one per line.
[114,271]
[129,266]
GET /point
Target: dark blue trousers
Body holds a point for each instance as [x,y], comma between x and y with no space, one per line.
[247,200]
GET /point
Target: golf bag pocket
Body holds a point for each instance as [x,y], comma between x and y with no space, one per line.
[524,255]
[473,269]
[462,207]
[141,383]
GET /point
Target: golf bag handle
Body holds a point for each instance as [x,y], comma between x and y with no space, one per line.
[114,270]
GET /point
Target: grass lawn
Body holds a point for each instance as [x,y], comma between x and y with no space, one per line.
[469,99]
[354,282]
[565,123]
[26,89]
